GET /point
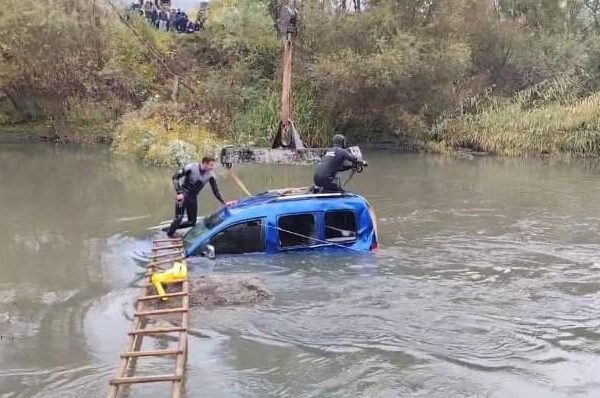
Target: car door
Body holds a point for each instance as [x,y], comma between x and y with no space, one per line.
[240,238]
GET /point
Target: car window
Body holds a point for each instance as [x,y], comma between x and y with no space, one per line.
[297,230]
[205,224]
[245,237]
[340,226]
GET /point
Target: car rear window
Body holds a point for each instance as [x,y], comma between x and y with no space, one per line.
[297,230]
[340,226]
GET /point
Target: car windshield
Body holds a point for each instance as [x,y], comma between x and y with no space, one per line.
[205,224]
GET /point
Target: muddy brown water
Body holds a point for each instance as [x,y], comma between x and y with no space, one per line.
[487,283]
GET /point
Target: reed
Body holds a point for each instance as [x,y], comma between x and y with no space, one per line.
[257,123]
[550,118]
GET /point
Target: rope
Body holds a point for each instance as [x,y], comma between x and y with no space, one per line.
[381,255]
[315,239]
[338,229]
[349,178]
[238,182]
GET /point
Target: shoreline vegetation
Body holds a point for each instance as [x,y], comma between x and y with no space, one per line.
[505,78]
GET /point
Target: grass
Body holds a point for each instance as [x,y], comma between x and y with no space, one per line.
[257,124]
[525,128]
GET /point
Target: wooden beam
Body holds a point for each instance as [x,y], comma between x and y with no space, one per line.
[161,312]
[134,343]
[144,379]
[167,247]
[169,260]
[157,296]
[286,84]
[157,331]
[181,361]
[174,253]
[167,283]
[154,353]
[166,240]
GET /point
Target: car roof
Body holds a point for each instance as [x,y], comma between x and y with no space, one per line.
[285,198]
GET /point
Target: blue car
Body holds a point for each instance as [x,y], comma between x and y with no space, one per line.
[283,220]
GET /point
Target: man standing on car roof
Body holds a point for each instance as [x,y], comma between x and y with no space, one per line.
[188,182]
[335,160]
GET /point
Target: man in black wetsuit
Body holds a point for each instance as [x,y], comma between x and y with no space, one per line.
[188,182]
[335,160]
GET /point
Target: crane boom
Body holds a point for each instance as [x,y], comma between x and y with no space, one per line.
[287,147]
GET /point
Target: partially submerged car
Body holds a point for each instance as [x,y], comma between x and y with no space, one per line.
[286,220]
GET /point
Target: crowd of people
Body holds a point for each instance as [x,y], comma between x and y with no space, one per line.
[168,20]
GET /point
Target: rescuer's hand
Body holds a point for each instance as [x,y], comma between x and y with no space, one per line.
[230,203]
[179,198]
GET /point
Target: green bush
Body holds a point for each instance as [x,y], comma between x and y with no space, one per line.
[5,119]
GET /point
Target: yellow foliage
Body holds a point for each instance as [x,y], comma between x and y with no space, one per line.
[157,135]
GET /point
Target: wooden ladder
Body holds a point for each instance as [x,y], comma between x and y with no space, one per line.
[164,253]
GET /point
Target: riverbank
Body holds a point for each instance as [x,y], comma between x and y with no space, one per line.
[382,76]
[160,143]
[545,121]
[37,132]
[25,131]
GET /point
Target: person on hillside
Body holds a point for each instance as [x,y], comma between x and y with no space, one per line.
[134,8]
[188,182]
[177,20]
[183,22]
[190,27]
[162,20]
[171,24]
[154,17]
[335,160]
[148,11]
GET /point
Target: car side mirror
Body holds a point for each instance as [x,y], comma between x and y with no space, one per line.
[208,251]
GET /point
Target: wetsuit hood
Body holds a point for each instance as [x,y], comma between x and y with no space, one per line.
[340,140]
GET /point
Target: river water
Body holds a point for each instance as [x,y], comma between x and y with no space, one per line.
[487,282]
